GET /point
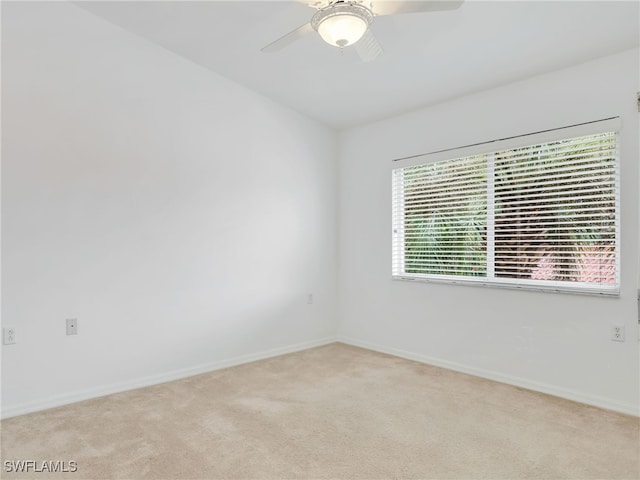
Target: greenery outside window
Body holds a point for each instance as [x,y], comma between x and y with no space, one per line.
[535,215]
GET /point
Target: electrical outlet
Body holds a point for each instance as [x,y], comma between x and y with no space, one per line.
[8,335]
[310,298]
[617,333]
[72,326]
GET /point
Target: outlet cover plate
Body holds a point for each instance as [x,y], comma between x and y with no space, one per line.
[8,335]
[72,326]
[617,333]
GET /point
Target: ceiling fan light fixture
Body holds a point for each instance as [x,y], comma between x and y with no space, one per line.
[342,24]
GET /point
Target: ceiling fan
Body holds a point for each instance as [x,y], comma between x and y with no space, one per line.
[343,23]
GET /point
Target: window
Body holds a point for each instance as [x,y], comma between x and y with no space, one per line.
[532,215]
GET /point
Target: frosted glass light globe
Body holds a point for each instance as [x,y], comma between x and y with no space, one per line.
[342,24]
[342,30]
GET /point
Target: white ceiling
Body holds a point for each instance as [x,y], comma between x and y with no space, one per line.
[428,58]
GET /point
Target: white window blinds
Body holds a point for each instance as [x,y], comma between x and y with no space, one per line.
[542,215]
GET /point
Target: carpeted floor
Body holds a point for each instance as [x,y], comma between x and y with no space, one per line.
[329,412]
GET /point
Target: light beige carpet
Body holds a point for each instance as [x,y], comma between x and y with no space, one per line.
[329,412]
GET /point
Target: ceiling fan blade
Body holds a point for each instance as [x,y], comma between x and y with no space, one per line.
[368,48]
[317,4]
[287,39]
[393,7]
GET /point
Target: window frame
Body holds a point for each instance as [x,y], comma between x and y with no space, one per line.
[608,125]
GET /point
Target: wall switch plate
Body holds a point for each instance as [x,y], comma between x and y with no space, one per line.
[72,326]
[8,335]
[617,333]
[310,298]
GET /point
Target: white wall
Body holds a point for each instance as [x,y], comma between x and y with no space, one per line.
[559,343]
[181,218]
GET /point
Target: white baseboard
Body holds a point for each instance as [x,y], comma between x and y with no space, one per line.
[77,396]
[593,400]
